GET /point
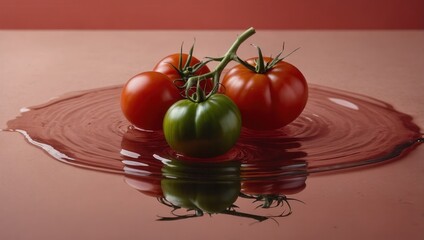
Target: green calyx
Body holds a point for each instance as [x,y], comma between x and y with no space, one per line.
[186,71]
[261,66]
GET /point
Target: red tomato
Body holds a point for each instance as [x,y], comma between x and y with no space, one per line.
[267,100]
[179,74]
[165,66]
[146,97]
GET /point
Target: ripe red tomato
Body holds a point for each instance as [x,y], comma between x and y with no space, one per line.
[165,66]
[267,100]
[179,73]
[146,97]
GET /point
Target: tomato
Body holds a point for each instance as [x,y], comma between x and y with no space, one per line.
[267,100]
[211,187]
[205,129]
[146,97]
[171,63]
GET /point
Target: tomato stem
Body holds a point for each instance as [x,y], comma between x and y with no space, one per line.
[231,55]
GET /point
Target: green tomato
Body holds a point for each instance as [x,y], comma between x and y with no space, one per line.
[207,187]
[205,129]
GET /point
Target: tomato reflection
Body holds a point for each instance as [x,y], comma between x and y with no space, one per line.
[201,187]
[193,188]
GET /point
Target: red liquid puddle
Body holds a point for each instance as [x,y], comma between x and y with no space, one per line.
[337,130]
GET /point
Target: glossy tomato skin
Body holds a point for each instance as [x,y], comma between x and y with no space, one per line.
[165,66]
[146,97]
[267,100]
[206,129]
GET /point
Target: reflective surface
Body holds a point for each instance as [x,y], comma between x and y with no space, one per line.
[337,130]
[45,199]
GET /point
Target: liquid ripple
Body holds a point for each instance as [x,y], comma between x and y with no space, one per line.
[337,130]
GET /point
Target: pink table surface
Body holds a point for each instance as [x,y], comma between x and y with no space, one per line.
[41,198]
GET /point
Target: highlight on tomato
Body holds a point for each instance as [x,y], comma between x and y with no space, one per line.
[269,92]
[146,97]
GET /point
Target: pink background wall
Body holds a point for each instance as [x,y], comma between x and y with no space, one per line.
[217,14]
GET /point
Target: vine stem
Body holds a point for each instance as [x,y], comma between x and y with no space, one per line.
[231,55]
